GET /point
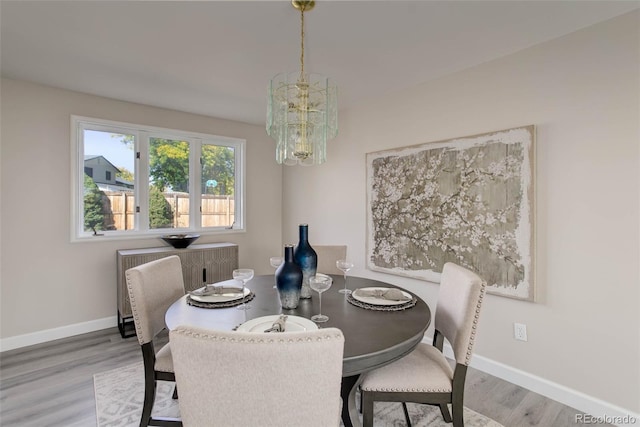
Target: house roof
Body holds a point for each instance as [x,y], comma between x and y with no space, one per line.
[95,156]
[124,182]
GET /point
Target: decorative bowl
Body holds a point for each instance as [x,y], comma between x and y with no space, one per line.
[180,241]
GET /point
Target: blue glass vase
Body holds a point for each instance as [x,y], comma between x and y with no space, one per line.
[289,280]
[307,260]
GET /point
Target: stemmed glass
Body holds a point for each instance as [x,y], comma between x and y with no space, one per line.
[320,283]
[243,275]
[275,262]
[344,266]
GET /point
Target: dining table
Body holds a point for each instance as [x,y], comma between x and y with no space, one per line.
[374,336]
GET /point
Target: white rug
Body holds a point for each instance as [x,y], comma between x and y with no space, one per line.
[119,395]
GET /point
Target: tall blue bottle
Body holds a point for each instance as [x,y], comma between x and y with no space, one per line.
[307,260]
[289,280]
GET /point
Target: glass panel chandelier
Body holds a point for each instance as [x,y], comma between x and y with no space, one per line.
[302,110]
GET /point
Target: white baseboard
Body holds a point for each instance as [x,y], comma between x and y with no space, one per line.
[25,340]
[593,406]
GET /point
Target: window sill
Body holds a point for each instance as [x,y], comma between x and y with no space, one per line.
[114,236]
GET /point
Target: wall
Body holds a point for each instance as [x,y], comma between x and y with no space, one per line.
[48,282]
[581,91]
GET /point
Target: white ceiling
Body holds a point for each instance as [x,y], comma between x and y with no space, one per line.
[216,57]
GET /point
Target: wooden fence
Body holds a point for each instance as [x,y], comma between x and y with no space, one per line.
[217,211]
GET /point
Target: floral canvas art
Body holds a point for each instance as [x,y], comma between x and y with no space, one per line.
[466,200]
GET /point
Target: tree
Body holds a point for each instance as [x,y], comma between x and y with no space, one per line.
[125,174]
[219,165]
[160,213]
[93,205]
[169,164]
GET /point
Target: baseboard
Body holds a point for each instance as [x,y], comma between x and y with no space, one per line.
[593,406]
[19,341]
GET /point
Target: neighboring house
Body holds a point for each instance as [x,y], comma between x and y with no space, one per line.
[104,174]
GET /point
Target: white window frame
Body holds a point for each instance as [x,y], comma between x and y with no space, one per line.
[142,134]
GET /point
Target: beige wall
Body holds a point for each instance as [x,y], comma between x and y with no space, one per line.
[581,91]
[48,282]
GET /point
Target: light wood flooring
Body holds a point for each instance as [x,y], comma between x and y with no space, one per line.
[51,384]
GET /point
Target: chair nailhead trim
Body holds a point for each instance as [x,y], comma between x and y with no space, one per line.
[411,390]
[134,307]
[475,324]
[257,340]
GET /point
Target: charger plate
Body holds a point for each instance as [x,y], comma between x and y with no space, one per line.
[379,301]
[220,298]
[377,307]
[249,295]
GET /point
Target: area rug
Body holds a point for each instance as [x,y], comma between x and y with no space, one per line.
[119,395]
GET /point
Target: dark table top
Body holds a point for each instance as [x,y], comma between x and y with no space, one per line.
[372,338]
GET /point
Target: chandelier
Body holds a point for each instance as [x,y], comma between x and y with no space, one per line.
[302,110]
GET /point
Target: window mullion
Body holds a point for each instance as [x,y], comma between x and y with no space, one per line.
[142,181]
[195,184]
[239,189]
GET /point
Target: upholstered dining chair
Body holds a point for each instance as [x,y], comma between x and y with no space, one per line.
[425,375]
[266,379]
[327,257]
[152,288]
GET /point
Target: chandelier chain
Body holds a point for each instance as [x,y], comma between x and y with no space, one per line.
[302,44]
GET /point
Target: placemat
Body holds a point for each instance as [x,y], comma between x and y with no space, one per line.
[366,306]
[224,304]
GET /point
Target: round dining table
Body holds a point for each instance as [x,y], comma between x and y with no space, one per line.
[373,338]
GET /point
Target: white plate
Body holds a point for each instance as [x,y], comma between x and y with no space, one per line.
[293,323]
[379,301]
[222,297]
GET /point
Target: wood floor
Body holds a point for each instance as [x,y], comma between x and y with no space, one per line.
[51,384]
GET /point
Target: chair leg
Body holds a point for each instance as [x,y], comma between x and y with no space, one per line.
[457,409]
[457,395]
[149,398]
[149,360]
[367,409]
[406,414]
[444,410]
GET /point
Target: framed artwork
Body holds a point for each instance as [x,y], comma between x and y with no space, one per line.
[467,200]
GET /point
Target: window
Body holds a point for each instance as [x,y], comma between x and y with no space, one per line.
[156,181]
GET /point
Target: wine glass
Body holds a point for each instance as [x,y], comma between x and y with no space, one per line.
[275,262]
[320,283]
[243,275]
[344,266]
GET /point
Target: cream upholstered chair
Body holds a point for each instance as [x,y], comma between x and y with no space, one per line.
[424,375]
[152,288]
[327,257]
[244,379]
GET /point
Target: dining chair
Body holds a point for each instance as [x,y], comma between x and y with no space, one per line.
[425,375]
[258,379]
[152,288]
[327,257]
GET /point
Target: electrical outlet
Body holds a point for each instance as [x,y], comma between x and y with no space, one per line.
[520,331]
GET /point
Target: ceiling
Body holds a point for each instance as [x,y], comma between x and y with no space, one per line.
[217,57]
